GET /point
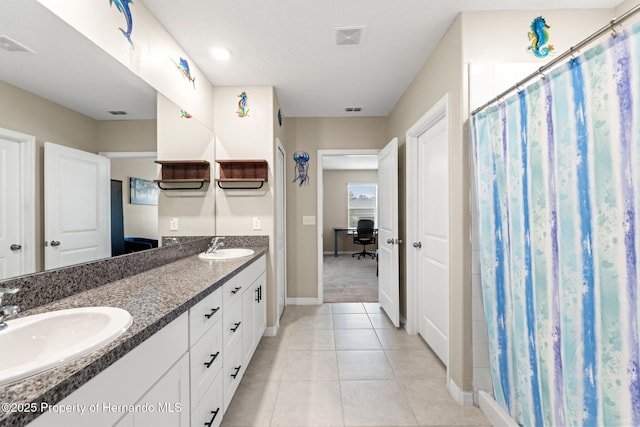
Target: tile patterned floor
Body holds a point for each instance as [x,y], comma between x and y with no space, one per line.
[344,364]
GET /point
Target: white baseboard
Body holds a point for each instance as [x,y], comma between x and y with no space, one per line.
[464,398]
[271,331]
[496,415]
[303,301]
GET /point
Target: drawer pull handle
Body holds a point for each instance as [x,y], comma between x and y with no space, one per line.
[236,289]
[210,362]
[215,414]
[213,311]
[235,374]
[235,328]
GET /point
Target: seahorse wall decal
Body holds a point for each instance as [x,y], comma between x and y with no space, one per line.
[539,37]
[243,111]
[123,7]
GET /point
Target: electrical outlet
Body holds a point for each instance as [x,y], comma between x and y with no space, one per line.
[257,223]
[308,220]
[173,224]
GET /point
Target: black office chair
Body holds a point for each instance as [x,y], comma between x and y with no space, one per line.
[364,236]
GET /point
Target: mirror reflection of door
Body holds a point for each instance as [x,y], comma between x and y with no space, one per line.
[77,203]
[17,200]
[117,219]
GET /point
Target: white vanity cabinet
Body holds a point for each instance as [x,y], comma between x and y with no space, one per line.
[186,373]
[240,321]
[254,317]
[205,361]
[152,377]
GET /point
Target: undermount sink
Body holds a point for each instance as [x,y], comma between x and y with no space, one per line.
[227,253]
[36,343]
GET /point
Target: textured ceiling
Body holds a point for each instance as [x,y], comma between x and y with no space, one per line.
[291,44]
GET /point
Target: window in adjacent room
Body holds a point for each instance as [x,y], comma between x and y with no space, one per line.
[362,203]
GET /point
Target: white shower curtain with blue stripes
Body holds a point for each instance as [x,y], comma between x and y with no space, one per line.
[558,185]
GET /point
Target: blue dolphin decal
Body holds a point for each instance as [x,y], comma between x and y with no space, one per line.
[123,7]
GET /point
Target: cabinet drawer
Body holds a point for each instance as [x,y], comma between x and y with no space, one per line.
[232,326]
[232,372]
[204,314]
[211,408]
[205,359]
[242,281]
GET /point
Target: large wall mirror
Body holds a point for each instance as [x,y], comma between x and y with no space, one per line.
[58,87]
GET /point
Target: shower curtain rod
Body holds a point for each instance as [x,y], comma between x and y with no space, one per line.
[571,52]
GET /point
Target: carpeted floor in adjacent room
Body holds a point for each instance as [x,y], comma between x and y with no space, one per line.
[349,279]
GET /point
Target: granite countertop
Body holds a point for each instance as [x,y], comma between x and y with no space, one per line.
[154,298]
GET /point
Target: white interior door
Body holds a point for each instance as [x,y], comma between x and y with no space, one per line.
[281,239]
[433,231]
[10,219]
[388,240]
[77,206]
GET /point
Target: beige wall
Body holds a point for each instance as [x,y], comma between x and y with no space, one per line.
[25,112]
[625,6]
[139,220]
[508,41]
[336,204]
[250,137]
[127,135]
[311,135]
[148,58]
[442,75]
[185,139]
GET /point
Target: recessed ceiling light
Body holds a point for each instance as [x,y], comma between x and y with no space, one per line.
[220,54]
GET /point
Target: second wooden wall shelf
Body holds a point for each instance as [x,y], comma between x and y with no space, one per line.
[238,171]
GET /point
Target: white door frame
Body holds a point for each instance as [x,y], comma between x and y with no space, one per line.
[283,188]
[27,195]
[440,111]
[320,195]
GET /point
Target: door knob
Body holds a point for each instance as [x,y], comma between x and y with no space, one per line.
[15,247]
[417,245]
[55,243]
[390,241]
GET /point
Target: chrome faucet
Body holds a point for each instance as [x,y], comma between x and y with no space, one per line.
[215,245]
[7,310]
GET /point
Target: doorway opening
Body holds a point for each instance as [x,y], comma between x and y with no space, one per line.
[347,192]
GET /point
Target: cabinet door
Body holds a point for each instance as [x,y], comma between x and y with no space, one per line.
[167,402]
[249,300]
[260,313]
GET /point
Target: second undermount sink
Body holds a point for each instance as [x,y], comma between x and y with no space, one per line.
[230,253]
[34,344]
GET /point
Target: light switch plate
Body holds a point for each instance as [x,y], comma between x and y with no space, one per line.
[308,220]
[173,224]
[257,223]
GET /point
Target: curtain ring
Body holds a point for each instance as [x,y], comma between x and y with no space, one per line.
[613,29]
[541,73]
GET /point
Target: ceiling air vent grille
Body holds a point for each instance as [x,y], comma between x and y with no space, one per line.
[353,109]
[10,45]
[346,36]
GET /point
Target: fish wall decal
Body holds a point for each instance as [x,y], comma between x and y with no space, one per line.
[183,67]
[123,7]
[539,37]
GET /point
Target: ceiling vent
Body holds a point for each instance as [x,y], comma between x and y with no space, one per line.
[346,36]
[10,45]
[118,113]
[353,109]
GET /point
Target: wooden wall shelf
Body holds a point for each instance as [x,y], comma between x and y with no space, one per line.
[184,171]
[237,171]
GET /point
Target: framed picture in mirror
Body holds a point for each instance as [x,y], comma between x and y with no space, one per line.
[143,192]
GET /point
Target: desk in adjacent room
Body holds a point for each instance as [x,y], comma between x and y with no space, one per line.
[348,230]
